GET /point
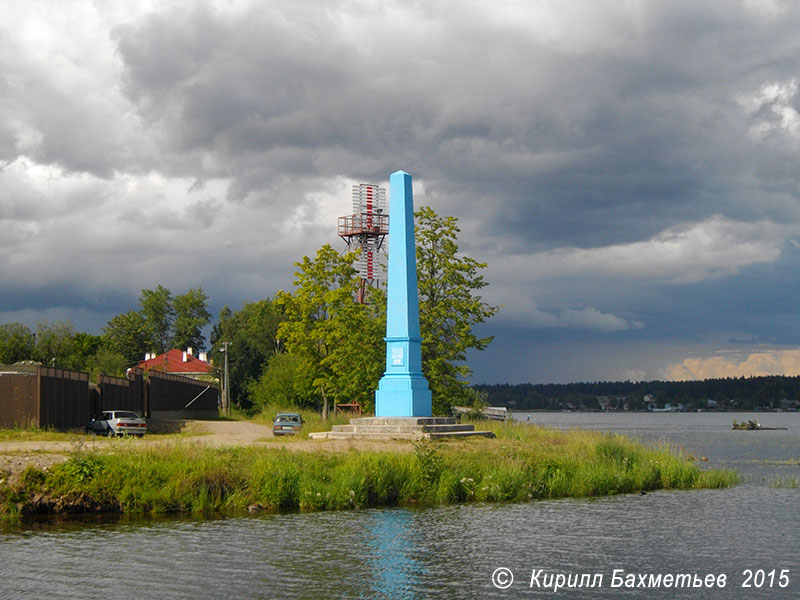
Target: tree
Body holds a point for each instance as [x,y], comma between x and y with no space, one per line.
[191,316]
[336,341]
[129,335]
[158,313]
[251,332]
[54,344]
[161,323]
[84,347]
[449,308]
[58,344]
[276,386]
[17,343]
[106,361]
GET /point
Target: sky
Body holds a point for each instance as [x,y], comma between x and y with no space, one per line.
[627,169]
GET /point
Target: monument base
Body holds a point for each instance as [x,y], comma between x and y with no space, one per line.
[403,396]
[399,428]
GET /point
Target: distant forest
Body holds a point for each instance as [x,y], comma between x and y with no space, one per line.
[743,393]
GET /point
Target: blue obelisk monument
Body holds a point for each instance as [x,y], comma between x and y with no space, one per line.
[403,390]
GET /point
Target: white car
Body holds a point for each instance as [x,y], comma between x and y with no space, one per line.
[117,422]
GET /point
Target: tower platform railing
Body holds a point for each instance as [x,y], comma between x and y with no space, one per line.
[363,224]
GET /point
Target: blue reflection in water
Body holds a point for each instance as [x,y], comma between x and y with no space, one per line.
[392,548]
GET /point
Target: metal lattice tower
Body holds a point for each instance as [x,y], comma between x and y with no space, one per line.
[366,229]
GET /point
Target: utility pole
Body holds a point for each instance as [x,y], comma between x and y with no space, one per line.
[226,394]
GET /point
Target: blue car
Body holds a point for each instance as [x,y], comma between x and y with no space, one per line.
[287,424]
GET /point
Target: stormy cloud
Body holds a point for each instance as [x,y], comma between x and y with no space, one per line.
[628,170]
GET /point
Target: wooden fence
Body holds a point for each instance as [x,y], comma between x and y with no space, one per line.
[37,396]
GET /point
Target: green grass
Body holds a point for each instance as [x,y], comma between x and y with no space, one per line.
[34,434]
[78,435]
[522,464]
[782,482]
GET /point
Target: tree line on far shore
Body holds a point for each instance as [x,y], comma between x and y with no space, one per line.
[733,393]
[309,347]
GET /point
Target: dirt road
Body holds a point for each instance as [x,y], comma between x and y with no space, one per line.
[15,456]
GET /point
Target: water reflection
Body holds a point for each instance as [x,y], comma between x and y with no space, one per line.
[392,546]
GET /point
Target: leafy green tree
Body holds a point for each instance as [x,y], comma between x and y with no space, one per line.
[339,343]
[276,386]
[17,342]
[159,313]
[106,361]
[84,347]
[129,335]
[336,341]
[54,343]
[161,323]
[251,332]
[358,358]
[191,316]
[449,306]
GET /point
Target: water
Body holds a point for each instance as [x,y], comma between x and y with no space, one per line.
[452,552]
[757,455]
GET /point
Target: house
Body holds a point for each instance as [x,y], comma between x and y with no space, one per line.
[179,362]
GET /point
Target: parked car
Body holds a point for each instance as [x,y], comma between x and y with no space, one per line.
[117,422]
[287,424]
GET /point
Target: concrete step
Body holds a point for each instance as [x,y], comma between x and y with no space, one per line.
[358,435]
[343,428]
[445,428]
[395,435]
[403,421]
[399,428]
[380,428]
[461,434]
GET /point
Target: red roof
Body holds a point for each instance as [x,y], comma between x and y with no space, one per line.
[172,362]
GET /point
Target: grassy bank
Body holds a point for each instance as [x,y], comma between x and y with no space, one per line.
[522,464]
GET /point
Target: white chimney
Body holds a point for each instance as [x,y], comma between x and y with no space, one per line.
[189,351]
[185,354]
[204,357]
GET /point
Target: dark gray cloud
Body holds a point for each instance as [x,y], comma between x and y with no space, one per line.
[628,170]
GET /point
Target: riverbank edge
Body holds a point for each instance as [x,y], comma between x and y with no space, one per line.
[523,463]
